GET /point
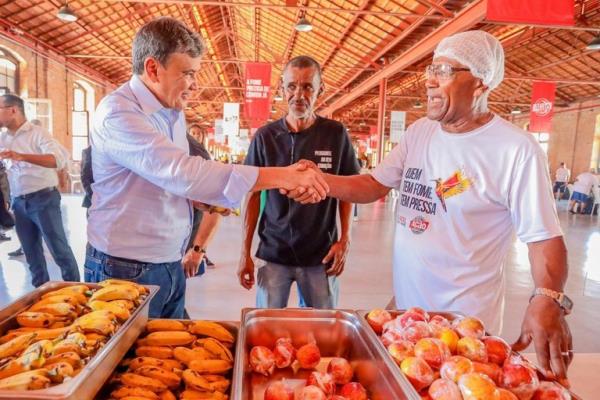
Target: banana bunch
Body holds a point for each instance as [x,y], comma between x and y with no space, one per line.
[60,332]
[178,360]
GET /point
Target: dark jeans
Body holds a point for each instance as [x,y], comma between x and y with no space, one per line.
[169,302]
[37,216]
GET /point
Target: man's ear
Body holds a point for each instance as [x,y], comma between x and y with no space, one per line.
[151,69]
[480,89]
[321,89]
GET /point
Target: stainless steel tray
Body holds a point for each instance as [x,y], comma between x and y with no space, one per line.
[450,315]
[90,379]
[338,333]
[232,326]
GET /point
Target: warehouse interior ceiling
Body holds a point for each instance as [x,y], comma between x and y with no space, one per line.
[358,42]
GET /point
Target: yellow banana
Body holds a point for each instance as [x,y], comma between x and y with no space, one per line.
[119,310]
[102,322]
[74,342]
[211,329]
[128,304]
[196,381]
[29,380]
[128,391]
[35,319]
[167,377]
[57,372]
[109,282]
[215,347]
[75,290]
[116,292]
[167,395]
[65,310]
[13,333]
[190,394]
[136,380]
[186,356]
[12,367]
[170,338]
[154,351]
[168,365]
[71,357]
[210,366]
[50,333]
[60,298]
[16,345]
[157,325]
[35,355]
[218,382]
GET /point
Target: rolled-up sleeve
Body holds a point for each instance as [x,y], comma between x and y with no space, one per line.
[49,145]
[131,141]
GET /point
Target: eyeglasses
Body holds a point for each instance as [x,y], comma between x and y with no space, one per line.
[442,72]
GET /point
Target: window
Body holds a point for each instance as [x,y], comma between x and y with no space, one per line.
[80,119]
[9,73]
[41,110]
[542,139]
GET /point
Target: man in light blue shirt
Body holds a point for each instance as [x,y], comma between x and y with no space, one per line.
[145,181]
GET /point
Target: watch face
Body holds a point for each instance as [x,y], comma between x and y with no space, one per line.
[567,303]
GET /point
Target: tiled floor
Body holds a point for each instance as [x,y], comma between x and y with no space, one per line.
[366,283]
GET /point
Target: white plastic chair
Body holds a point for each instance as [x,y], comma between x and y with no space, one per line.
[596,192]
[74,169]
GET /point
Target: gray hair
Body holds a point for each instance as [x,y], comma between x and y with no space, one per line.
[304,62]
[162,37]
[12,100]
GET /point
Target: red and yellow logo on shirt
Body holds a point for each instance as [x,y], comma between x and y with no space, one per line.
[454,185]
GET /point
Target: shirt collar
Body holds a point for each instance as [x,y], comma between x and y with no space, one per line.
[27,126]
[145,97]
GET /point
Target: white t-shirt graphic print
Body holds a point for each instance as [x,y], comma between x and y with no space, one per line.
[461,198]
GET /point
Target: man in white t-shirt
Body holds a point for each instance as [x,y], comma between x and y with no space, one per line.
[581,191]
[562,175]
[468,179]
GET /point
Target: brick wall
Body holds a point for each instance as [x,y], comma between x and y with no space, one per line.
[44,78]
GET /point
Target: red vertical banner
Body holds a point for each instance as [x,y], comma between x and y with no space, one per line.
[256,93]
[543,12]
[373,136]
[542,106]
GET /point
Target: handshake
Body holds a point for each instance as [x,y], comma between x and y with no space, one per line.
[304,183]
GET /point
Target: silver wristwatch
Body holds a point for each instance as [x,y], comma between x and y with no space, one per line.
[562,299]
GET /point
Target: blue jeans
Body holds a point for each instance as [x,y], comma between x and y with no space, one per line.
[169,302]
[315,288]
[37,216]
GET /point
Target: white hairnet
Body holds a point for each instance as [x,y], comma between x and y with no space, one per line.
[481,52]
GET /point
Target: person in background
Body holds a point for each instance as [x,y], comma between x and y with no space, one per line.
[34,157]
[87,177]
[582,188]
[298,243]
[145,181]
[468,180]
[561,180]
[7,221]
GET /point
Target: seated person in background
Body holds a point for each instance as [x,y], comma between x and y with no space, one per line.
[581,191]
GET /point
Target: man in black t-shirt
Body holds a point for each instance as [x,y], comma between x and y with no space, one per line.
[298,242]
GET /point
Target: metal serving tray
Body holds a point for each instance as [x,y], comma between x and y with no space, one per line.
[90,379]
[362,315]
[338,333]
[232,326]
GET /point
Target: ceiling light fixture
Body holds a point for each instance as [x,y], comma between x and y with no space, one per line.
[278,96]
[594,44]
[418,104]
[303,25]
[516,111]
[66,14]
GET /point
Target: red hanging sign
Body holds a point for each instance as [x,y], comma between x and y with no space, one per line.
[542,106]
[543,12]
[256,93]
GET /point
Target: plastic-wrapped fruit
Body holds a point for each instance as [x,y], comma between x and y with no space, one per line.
[394,324]
[341,370]
[312,393]
[400,350]
[419,310]
[418,372]
[469,327]
[437,322]
[411,316]
[391,335]
[506,394]
[433,351]
[284,352]
[497,349]
[353,391]
[551,391]
[278,390]
[520,379]
[472,348]
[444,389]
[476,386]
[377,318]
[262,360]
[493,371]
[448,336]
[308,356]
[416,331]
[455,367]
[323,381]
